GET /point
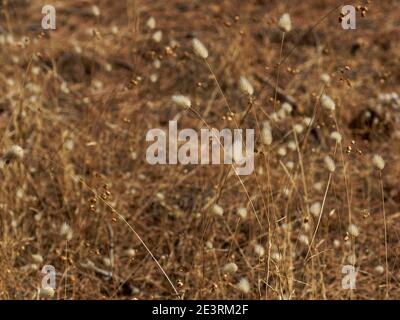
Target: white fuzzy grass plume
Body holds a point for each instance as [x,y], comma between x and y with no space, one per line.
[329,164]
[292,145]
[285,22]
[244,285]
[378,162]
[303,239]
[379,269]
[287,108]
[157,36]
[290,165]
[328,103]
[353,230]
[307,121]
[298,128]
[130,252]
[13,154]
[230,268]
[182,101]
[277,256]
[315,209]
[47,292]
[352,259]
[218,210]
[336,243]
[37,258]
[336,136]
[246,86]
[266,136]
[96,11]
[259,250]
[151,23]
[66,231]
[242,212]
[199,48]
[282,151]
[326,78]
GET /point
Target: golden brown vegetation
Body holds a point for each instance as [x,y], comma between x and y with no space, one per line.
[79,101]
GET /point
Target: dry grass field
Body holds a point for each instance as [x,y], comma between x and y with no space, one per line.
[77,193]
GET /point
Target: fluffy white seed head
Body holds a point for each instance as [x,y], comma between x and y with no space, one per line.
[329,164]
[130,252]
[277,256]
[326,78]
[285,23]
[259,250]
[13,154]
[46,292]
[182,101]
[218,210]
[353,230]
[287,107]
[298,128]
[157,64]
[230,268]
[282,151]
[303,239]
[315,209]
[157,36]
[336,243]
[274,117]
[352,259]
[246,86]
[292,145]
[242,212]
[328,103]
[107,262]
[379,269]
[96,11]
[290,165]
[281,114]
[307,121]
[209,245]
[266,136]
[37,258]
[318,186]
[378,162]
[336,136]
[244,285]
[66,231]
[199,49]
[151,23]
